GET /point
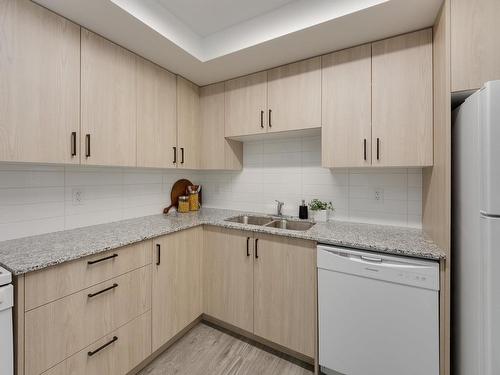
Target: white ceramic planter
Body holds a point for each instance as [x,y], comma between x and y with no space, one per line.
[320,215]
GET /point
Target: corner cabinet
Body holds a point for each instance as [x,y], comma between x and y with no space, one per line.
[40,85]
[188,153]
[263,284]
[347,108]
[108,107]
[156,115]
[217,152]
[402,101]
[176,286]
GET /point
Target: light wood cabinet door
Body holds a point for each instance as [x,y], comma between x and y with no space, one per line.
[188,124]
[217,152]
[285,292]
[228,276]
[128,347]
[402,123]
[156,115]
[294,96]
[176,290]
[55,331]
[246,105]
[108,104]
[40,85]
[475,49]
[347,114]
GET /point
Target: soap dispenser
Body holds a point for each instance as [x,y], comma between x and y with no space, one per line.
[303,214]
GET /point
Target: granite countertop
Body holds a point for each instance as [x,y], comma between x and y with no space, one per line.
[36,252]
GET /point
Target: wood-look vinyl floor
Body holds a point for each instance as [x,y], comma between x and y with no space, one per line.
[206,350]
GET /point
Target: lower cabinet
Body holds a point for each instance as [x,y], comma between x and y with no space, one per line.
[115,354]
[285,292]
[176,286]
[228,276]
[263,284]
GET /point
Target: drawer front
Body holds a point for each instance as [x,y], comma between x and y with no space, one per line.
[56,282]
[55,331]
[120,352]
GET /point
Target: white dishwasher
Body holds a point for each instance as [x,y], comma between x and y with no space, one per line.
[378,314]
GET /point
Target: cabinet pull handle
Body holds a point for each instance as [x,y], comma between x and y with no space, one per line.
[158,252]
[91,353]
[364,149]
[262,119]
[73,143]
[87,145]
[256,249]
[270,125]
[378,148]
[102,259]
[248,247]
[175,154]
[102,291]
[182,155]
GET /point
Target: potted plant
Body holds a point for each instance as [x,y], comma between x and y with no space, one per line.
[319,209]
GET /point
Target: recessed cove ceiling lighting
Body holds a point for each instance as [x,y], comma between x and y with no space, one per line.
[212,40]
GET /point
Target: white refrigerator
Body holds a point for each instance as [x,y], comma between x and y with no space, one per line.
[476,234]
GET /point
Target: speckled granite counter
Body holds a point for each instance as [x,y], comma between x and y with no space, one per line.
[32,253]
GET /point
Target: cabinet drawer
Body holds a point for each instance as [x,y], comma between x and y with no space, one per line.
[55,331]
[55,282]
[127,347]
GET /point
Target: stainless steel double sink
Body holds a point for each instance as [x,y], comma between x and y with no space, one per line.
[272,222]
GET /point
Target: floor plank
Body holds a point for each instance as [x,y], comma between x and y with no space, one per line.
[206,350]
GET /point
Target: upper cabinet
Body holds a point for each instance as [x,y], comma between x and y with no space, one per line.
[475,52]
[346,132]
[156,115]
[294,96]
[281,99]
[108,107]
[40,85]
[217,152]
[402,104]
[246,105]
[188,124]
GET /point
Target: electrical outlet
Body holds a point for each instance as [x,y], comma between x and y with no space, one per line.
[379,194]
[77,197]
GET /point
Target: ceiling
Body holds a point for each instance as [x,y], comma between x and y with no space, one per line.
[209,41]
[209,16]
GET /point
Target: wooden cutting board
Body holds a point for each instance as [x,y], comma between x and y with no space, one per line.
[178,188]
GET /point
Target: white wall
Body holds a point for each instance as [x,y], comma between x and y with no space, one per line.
[37,199]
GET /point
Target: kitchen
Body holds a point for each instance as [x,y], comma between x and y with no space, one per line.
[215,187]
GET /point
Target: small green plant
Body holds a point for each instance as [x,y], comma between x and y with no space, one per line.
[317,205]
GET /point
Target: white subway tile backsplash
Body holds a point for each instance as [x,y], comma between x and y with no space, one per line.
[37,199]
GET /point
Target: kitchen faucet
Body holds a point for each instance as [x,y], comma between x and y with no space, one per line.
[279,208]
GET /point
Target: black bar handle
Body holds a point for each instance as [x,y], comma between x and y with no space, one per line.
[102,259]
[102,291]
[270,124]
[87,146]
[256,249]
[158,252]
[378,148]
[262,119]
[91,353]
[182,155]
[364,148]
[73,143]
[248,247]
[175,154]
